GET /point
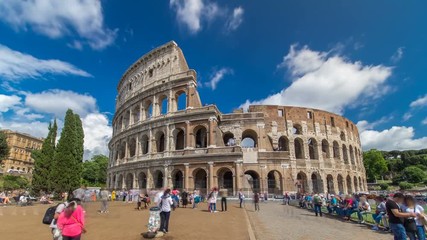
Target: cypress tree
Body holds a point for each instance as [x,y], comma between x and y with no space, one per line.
[4,148]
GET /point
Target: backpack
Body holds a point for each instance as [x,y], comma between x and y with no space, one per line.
[49,215]
[197,199]
[317,200]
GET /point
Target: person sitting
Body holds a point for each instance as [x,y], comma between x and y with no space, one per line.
[379,212]
[332,204]
[45,200]
[364,208]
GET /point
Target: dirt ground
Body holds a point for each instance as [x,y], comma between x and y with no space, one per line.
[125,223]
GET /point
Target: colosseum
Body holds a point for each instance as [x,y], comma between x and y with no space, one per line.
[163,136]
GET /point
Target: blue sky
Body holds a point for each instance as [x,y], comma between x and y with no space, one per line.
[363,59]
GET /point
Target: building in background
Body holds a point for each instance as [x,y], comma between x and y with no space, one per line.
[21,145]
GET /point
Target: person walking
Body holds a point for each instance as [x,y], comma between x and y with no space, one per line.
[396,216]
[256,201]
[195,198]
[56,232]
[223,194]
[317,204]
[184,197]
[71,222]
[241,197]
[104,200]
[212,198]
[113,195]
[165,205]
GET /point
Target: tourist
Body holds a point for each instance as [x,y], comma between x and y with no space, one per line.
[45,200]
[287,198]
[396,216]
[146,201]
[56,232]
[184,197]
[380,211]
[265,197]
[124,195]
[212,198]
[223,194]
[317,201]
[104,200]
[364,208]
[332,204]
[414,227]
[113,195]
[4,199]
[165,205]
[175,196]
[71,222]
[256,201]
[349,205]
[241,197]
[195,198]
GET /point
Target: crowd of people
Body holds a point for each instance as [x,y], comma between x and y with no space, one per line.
[400,214]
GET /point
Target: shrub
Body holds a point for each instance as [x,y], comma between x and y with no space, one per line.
[384,186]
[405,185]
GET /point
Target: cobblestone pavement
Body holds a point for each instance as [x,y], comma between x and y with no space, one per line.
[278,222]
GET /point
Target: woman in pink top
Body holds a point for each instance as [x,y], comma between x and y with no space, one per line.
[71,222]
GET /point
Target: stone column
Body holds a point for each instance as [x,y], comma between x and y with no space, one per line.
[124,181]
[211,176]
[171,99]
[130,116]
[155,107]
[186,176]
[141,112]
[135,181]
[212,131]
[188,135]
[166,177]
[126,150]
[238,174]
[149,178]
[137,150]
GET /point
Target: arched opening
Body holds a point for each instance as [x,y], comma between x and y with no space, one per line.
[163,100]
[297,129]
[252,182]
[299,148]
[302,182]
[283,144]
[200,180]
[132,147]
[336,150]
[361,188]
[145,144]
[142,180]
[180,140]
[351,155]
[178,180]
[158,179]
[330,184]
[120,182]
[340,181]
[113,185]
[229,139]
[160,142]
[348,180]
[201,137]
[126,119]
[129,181]
[122,151]
[135,115]
[148,109]
[249,139]
[316,180]
[120,124]
[345,154]
[356,185]
[181,98]
[274,182]
[312,148]
[342,136]
[325,149]
[225,179]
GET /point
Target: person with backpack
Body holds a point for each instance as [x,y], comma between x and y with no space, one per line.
[71,222]
[51,216]
[396,217]
[165,205]
[317,201]
[241,197]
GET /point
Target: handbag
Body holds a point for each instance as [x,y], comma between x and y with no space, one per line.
[410,225]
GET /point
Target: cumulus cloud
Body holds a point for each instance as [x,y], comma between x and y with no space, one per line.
[326,81]
[57,19]
[97,134]
[192,14]
[15,66]
[420,102]
[7,102]
[397,55]
[236,19]
[35,128]
[217,77]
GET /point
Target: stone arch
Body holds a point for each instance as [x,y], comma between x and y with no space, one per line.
[283,144]
[302,183]
[132,147]
[348,180]
[148,106]
[158,179]
[113,185]
[120,181]
[274,182]
[345,153]
[340,181]
[179,139]
[297,129]
[252,181]
[342,136]
[351,155]
[228,138]
[160,141]
[129,181]
[135,114]
[200,180]
[142,180]
[312,148]
[122,150]
[178,179]
[336,148]
[225,179]
[317,182]
[126,119]
[355,184]
[361,186]
[299,148]
[181,100]
[163,104]
[200,136]
[249,139]
[325,149]
[330,183]
[120,123]
[145,144]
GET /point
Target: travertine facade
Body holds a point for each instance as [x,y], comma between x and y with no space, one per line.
[20,145]
[157,142]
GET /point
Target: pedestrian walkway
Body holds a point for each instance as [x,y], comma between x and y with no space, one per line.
[280,222]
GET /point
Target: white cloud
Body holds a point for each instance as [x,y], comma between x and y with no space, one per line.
[57,19]
[34,128]
[326,81]
[15,66]
[57,102]
[7,102]
[420,102]
[365,125]
[217,77]
[192,14]
[407,116]
[236,19]
[97,134]
[397,55]
[424,121]
[395,138]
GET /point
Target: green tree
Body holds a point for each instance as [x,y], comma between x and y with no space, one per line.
[413,174]
[375,164]
[4,148]
[95,170]
[67,167]
[11,182]
[43,162]
[405,185]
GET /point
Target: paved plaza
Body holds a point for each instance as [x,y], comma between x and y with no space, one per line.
[279,222]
